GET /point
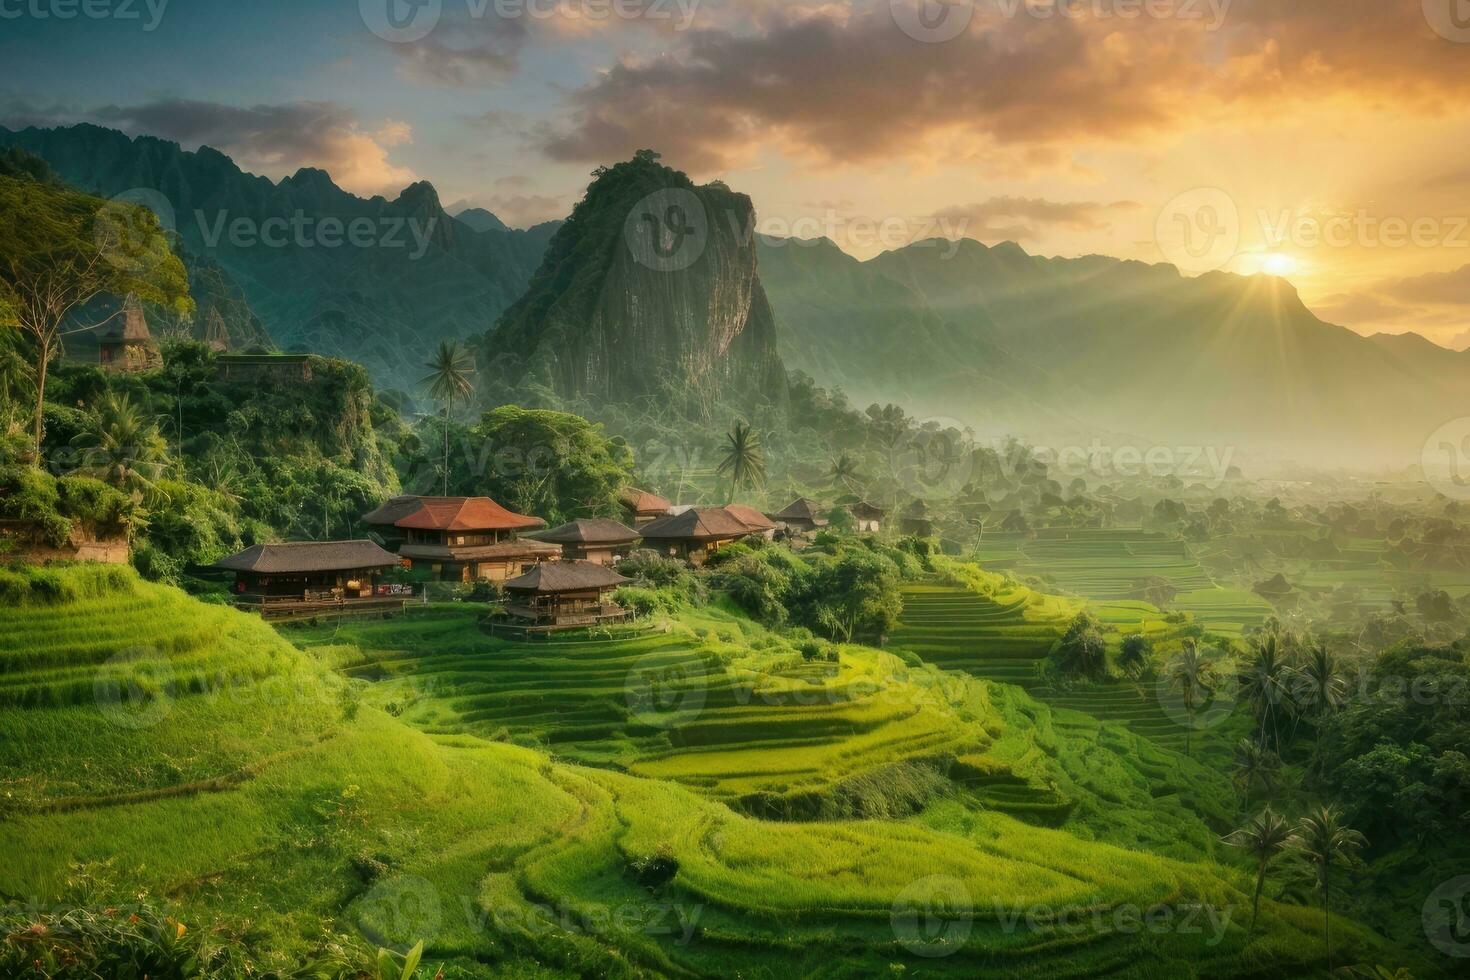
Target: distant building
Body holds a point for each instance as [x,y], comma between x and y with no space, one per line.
[915,520]
[869,517]
[642,507]
[460,539]
[128,346]
[308,578]
[803,514]
[264,368]
[216,334]
[694,534]
[564,595]
[757,522]
[600,540]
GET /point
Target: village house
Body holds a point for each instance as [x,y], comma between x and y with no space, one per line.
[753,519]
[599,539]
[869,517]
[460,539]
[915,520]
[802,515]
[695,533]
[642,507]
[309,578]
[557,595]
[128,345]
[264,368]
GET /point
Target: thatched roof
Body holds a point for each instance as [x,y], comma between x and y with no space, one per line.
[449,514]
[597,530]
[750,517]
[309,556]
[643,503]
[566,576]
[697,523]
[133,327]
[803,509]
[865,511]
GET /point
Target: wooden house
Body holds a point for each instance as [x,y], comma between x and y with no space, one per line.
[600,539]
[802,515]
[757,522]
[694,534]
[642,507]
[915,520]
[460,539]
[128,345]
[314,577]
[563,595]
[264,368]
[869,517]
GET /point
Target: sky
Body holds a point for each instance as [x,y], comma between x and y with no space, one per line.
[1319,140]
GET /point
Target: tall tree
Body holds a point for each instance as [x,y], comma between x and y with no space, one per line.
[744,459]
[844,473]
[60,249]
[450,371]
[122,446]
[1322,839]
[1255,763]
[1263,838]
[1190,674]
[1267,680]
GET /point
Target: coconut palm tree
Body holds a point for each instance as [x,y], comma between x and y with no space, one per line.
[1190,674]
[1321,691]
[1266,681]
[1263,838]
[1321,838]
[744,460]
[450,370]
[844,472]
[120,446]
[1255,763]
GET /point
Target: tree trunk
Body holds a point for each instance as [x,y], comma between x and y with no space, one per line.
[1327,916]
[40,424]
[1256,902]
[446,449]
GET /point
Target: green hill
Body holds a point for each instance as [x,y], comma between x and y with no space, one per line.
[156,746]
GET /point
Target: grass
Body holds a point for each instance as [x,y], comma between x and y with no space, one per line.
[367,790]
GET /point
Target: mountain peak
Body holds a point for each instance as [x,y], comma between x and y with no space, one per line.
[479,219]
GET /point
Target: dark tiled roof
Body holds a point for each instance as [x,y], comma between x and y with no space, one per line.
[309,556]
[565,576]
[643,502]
[598,530]
[802,509]
[449,514]
[750,517]
[520,548]
[863,509]
[702,523]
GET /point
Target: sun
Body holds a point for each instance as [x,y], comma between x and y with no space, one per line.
[1278,264]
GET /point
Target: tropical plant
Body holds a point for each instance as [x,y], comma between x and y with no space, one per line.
[1255,763]
[122,447]
[1266,681]
[844,473]
[1190,673]
[1134,654]
[744,459]
[450,371]
[1263,838]
[1325,843]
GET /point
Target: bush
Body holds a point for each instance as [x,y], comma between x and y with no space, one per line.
[645,602]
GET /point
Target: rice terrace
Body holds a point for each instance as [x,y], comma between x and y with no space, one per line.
[728,489]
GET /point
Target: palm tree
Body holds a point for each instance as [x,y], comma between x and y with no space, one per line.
[449,375]
[744,460]
[121,447]
[844,472]
[1190,673]
[1321,838]
[1255,763]
[1267,681]
[1263,838]
[1321,691]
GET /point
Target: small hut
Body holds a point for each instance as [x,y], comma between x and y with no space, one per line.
[642,507]
[601,540]
[694,534]
[803,514]
[128,346]
[564,595]
[869,517]
[312,577]
[915,520]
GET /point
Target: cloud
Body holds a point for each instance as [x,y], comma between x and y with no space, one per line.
[464,53]
[1352,309]
[525,210]
[277,140]
[1029,218]
[1449,288]
[845,84]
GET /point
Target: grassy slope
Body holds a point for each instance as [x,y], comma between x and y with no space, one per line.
[271,801]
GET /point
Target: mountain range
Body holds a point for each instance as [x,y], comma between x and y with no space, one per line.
[616,304]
